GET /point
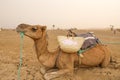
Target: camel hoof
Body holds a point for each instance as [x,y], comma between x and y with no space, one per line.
[46,76]
[42,70]
[49,76]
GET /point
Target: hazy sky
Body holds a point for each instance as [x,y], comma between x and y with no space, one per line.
[62,13]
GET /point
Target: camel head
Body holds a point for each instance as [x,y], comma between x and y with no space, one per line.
[32,31]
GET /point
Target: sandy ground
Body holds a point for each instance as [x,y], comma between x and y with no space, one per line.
[10,54]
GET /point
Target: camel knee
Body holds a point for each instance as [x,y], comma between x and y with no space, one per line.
[44,69]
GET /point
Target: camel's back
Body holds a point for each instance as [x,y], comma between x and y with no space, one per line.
[94,56]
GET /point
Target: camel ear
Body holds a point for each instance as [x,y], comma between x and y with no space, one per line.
[43,28]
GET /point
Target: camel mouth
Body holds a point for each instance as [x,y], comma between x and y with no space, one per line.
[19,30]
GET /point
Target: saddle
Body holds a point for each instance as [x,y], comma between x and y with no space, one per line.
[90,40]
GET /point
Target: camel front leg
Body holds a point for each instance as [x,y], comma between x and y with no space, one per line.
[51,75]
[43,69]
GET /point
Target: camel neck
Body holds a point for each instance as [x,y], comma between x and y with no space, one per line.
[41,46]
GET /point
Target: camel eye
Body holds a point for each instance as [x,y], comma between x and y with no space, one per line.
[34,29]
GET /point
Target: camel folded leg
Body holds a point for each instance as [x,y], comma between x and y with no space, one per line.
[51,75]
[106,60]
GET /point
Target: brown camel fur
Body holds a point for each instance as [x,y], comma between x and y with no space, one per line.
[65,62]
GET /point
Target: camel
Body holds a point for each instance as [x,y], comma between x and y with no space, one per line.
[64,62]
[115,29]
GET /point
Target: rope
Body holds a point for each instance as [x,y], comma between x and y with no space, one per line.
[81,51]
[111,43]
[21,48]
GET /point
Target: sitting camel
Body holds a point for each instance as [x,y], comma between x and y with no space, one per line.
[64,62]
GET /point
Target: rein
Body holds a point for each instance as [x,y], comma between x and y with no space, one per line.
[21,51]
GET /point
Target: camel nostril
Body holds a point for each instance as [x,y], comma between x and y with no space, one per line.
[22,26]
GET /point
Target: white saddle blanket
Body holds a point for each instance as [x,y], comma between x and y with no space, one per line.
[70,44]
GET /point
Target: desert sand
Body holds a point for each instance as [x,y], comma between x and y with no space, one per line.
[10,56]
